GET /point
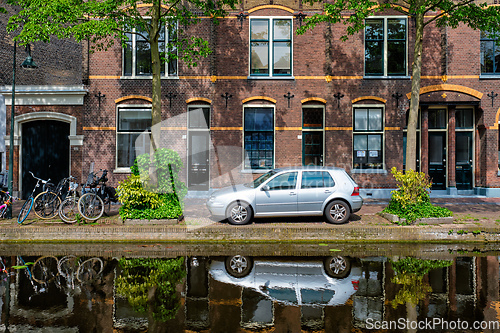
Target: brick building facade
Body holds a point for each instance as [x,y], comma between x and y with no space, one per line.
[273,98]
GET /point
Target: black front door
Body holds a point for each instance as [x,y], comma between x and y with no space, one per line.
[198,160]
[463,166]
[45,152]
[437,160]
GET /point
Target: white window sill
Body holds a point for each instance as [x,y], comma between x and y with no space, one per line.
[255,171]
[250,77]
[148,77]
[489,77]
[401,77]
[122,170]
[369,171]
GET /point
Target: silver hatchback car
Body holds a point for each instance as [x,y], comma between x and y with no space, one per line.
[301,191]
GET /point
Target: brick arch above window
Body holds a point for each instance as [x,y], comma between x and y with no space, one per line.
[449,87]
[258,98]
[132,97]
[254,9]
[371,98]
[313,99]
[198,100]
[496,125]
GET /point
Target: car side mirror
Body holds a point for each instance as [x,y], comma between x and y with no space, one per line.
[265,188]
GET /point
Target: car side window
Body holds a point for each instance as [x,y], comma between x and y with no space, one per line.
[285,181]
[315,179]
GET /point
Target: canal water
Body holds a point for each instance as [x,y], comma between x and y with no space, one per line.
[254,288]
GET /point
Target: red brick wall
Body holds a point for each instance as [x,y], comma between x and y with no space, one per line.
[316,54]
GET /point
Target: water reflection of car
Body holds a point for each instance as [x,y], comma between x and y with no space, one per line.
[302,191]
[313,282]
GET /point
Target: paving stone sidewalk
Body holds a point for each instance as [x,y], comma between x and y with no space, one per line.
[477,219]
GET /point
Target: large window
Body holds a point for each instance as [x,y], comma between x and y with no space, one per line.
[270,47]
[490,53]
[385,47]
[259,137]
[368,140]
[137,53]
[133,134]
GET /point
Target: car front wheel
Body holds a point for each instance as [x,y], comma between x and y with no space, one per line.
[239,213]
[337,212]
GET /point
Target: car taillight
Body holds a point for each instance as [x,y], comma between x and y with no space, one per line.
[355,192]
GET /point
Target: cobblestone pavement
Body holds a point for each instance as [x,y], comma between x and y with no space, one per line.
[467,210]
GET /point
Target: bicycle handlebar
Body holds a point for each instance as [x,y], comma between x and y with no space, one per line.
[40,179]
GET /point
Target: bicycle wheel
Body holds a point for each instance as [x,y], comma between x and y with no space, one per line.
[68,210]
[44,269]
[25,211]
[47,205]
[3,211]
[90,206]
[89,270]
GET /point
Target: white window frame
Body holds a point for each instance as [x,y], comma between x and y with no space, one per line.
[122,169]
[134,60]
[270,19]
[382,131]
[264,170]
[385,75]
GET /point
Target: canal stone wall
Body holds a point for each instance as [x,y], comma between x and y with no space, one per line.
[220,233]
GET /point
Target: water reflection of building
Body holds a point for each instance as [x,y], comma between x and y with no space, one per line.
[466,290]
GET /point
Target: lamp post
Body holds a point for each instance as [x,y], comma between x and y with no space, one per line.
[28,63]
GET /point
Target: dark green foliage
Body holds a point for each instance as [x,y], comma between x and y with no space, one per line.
[419,267]
[141,275]
[143,198]
[413,212]
[170,208]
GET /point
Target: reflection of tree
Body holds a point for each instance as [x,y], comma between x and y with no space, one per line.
[149,284]
[410,274]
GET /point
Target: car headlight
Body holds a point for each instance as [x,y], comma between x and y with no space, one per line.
[211,198]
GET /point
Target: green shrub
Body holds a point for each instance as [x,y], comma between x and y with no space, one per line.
[413,187]
[167,164]
[413,212]
[411,200]
[141,200]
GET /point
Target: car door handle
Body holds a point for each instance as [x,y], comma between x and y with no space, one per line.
[328,191]
[293,193]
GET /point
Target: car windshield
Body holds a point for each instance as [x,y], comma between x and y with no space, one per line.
[261,179]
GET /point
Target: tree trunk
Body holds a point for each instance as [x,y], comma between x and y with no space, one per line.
[156,92]
[411,139]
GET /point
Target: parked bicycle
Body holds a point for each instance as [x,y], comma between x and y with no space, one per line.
[47,203]
[68,209]
[91,204]
[29,203]
[7,201]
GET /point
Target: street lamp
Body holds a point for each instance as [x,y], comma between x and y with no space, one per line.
[28,63]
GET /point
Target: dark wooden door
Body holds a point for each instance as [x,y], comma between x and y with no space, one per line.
[45,152]
[463,166]
[437,160]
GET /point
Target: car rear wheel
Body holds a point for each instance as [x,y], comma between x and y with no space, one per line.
[239,213]
[337,212]
[238,266]
[337,267]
